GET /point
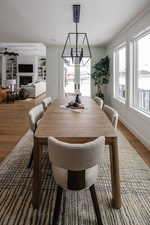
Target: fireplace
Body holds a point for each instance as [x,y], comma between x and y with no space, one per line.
[24,80]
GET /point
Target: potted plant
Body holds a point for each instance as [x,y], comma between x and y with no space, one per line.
[101,75]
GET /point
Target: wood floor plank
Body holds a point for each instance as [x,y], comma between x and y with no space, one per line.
[14,123]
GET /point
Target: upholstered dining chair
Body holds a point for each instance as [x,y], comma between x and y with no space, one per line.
[112,114]
[46,102]
[99,101]
[75,167]
[35,114]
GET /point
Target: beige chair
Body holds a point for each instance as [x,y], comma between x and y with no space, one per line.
[112,115]
[99,101]
[75,167]
[35,114]
[46,102]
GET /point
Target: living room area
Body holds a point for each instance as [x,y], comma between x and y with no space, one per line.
[22,71]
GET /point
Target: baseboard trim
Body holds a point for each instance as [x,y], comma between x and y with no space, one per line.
[141,138]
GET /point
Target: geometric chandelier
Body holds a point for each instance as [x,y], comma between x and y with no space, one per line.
[77,46]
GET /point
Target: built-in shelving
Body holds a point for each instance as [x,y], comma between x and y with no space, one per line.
[42,69]
[11,67]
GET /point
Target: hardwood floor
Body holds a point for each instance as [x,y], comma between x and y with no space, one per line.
[136,144]
[14,124]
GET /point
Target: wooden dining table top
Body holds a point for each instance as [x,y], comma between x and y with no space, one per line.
[74,127]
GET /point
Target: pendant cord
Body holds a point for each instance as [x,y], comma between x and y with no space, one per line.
[76,40]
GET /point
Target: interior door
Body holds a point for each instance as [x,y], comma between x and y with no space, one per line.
[69,79]
[77,79]
[85,79]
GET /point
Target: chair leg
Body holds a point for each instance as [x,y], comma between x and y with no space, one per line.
[95,204]
[30,162]
[57,205]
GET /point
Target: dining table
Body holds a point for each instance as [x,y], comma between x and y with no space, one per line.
[75,127]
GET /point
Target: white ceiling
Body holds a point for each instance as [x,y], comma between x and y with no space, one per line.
[49,21]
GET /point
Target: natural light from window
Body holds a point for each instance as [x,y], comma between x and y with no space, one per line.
[77,78]
[120,73]
[85,79]
[69,76]
[142,76]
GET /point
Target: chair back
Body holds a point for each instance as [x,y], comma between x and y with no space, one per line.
[112,115]
[46,102]
[75,157]
[35,114]
[99,101]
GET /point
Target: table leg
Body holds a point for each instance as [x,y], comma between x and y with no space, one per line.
[36,175]
[111,171]
[115,177]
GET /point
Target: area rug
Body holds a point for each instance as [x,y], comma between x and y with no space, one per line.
[76,209]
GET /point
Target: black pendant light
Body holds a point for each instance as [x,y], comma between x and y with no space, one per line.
[77,45]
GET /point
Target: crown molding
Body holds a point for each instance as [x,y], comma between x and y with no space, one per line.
[132,22]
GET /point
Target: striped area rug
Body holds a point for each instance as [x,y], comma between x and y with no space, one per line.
[77,209]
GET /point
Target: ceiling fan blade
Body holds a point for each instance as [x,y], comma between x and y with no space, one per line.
[6,52]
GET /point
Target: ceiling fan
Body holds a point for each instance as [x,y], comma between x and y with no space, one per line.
[6,52]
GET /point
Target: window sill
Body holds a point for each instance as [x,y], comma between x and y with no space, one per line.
[120,100]
[141,113]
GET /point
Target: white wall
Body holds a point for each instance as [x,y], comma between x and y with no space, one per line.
[55,69]
[138,123]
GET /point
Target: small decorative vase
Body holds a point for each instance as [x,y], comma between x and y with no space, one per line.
[77,100]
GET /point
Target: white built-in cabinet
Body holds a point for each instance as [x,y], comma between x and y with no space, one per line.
[8,69]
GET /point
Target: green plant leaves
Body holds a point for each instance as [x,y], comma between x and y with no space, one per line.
[101,72]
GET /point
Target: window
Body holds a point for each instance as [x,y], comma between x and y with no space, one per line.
[85,78]
[69,76]
[120,73]
[141,82]
[77,78]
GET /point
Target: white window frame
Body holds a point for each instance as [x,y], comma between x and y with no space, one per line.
[115,72]
[135,71]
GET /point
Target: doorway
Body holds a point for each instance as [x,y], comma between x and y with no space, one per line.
[77,78]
